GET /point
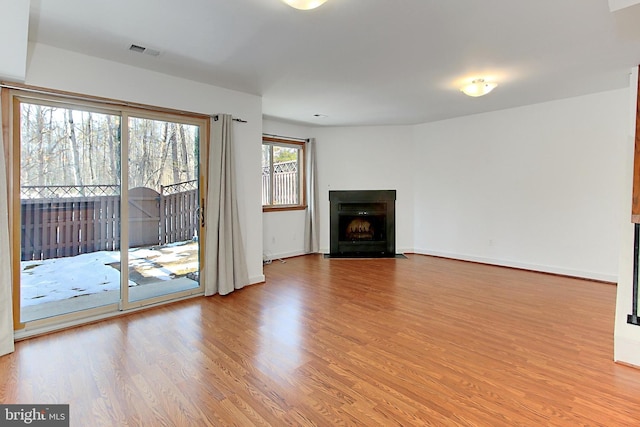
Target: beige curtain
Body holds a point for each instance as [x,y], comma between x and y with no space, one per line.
[6,312]
[311,235]
[225,265]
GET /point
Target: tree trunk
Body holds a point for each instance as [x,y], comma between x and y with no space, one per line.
[114,149]
[165,152]
[75,157]
[41,165]
[185,154]
[145,167]
[89,138]
[174,154]
[47,151]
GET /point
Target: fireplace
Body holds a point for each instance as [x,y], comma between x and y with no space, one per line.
[362,223]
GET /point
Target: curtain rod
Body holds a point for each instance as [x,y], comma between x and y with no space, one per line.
[286,137]
[215,118]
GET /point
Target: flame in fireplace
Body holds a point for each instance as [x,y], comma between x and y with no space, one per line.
[359,229]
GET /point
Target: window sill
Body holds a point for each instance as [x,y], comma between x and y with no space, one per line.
[283,208]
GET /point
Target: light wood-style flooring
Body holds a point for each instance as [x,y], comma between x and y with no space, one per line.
[330,342]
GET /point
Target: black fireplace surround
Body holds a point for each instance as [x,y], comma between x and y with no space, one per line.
[362,223]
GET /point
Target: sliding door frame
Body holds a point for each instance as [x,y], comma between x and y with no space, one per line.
[125,303]
[12,96]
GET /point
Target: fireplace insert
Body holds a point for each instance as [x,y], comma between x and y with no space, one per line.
[362,223]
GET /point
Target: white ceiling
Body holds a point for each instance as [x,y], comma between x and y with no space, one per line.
[362,62]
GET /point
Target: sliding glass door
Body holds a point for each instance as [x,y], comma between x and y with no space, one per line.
[94,181]
[163,206]
[69,209]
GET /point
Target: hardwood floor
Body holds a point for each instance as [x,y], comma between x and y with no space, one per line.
[417,341]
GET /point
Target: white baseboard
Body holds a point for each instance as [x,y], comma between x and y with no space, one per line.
[626,350]
[523,265]
[273,257]
[257,279]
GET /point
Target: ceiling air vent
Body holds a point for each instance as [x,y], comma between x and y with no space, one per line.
[136,48]
[142,49]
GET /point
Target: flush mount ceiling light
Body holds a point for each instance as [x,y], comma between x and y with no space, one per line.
[304,4]
[478,87]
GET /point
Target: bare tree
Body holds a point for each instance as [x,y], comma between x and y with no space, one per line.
[185,155]
[41,148]
[164,150]
[174,154]
[75,157]
[47,151]
[114,148]
[89,141]
[62,146]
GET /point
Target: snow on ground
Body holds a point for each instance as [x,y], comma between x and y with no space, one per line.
[62,278]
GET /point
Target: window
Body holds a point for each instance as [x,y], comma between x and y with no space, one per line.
[282,174]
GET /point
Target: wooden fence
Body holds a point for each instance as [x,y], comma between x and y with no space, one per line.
[285,188]
[62,227]
[179,212]
[68,226]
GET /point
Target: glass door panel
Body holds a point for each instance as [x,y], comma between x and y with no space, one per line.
[163,206]
[69,210]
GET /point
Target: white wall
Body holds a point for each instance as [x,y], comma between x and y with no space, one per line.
[539,187]
[284,231]
[627,337]
[14,31]
[367,158]
[63,70]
